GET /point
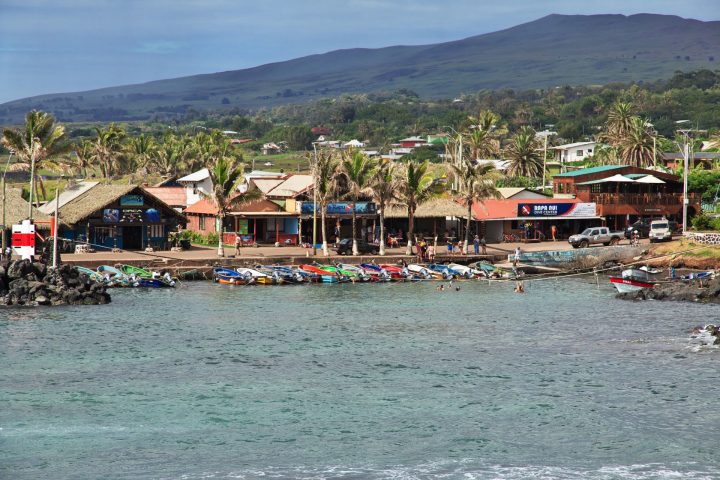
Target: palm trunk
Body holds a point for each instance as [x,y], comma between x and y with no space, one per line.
[382,232]
[411,229]
[354,236]
[322,229]
[467,228]
[221,246]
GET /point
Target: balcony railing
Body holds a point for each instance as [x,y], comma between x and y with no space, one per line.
[641,198]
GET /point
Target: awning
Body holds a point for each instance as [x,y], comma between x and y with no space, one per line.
[614,179]
[649,179]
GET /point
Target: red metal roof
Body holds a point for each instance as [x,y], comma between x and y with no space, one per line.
[173,196]
[207,207]
[496,209]
[202,207]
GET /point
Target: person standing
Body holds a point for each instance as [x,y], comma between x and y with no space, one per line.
[476,244]
[238,244]
[337,233]
[553,232]
[483,246]
[518,252]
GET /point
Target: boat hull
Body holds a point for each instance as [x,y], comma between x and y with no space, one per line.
[626,285]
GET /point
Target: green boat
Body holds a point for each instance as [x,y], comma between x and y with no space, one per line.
[137,271]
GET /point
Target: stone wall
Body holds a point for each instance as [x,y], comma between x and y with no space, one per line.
[704,238]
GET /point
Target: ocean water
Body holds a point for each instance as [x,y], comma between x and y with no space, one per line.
[360,381]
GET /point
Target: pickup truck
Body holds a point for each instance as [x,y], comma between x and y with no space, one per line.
[594,235]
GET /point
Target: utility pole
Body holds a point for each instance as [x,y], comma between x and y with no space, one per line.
[32,175]
[686,162]
[57,226]
[314,174]
[4,226]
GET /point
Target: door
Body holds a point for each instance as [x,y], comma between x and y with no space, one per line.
[132,238]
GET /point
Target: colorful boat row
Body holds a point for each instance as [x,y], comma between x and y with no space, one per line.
[128,276]
[343,273]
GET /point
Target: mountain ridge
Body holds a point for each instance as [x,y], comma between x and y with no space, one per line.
[551,51]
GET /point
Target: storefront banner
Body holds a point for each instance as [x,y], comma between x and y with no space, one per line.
[566,210]
[132,201]
[342,208]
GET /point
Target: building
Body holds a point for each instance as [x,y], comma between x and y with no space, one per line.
[574,152]
[412,142]
[439,217]
[624,193]
[197,185]
[118,216]
[708,160]
[519,193]
[14,209]
[176,197]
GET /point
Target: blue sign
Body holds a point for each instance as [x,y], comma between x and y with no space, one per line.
[556,210]
[342,208]
[132,201]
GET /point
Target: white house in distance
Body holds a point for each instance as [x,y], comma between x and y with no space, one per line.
[573,152]
[196,184]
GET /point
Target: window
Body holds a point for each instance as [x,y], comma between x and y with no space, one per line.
[271,222]
[595,188]
[103,233]
[201,222]
[578,153]
[155,231]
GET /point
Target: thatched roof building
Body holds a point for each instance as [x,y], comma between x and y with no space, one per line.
[16,209]
[435,208]
[96,199]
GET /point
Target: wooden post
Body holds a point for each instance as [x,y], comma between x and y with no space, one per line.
[277,231]
[255,230]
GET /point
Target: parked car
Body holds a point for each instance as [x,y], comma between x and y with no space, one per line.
[642,226]
[591,236]
[345,247]
[661,230]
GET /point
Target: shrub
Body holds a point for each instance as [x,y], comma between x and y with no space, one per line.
[706,222]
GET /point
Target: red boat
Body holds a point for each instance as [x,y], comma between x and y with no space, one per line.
[624,285]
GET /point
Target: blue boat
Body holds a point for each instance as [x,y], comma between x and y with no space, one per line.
[444,270]
[228,276]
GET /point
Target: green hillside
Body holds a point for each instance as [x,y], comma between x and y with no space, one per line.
[552,51]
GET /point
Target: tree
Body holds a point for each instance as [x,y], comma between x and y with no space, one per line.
[358,171]
[141,149]
[482,144]
[636,147]
[524,154]
[475,183]
[415,187]
[39,140]
[383,189]
[619,122]
[108,149]
[168,156]
[226,176]
[325,169]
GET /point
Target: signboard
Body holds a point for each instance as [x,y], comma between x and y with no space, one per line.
[342,208]
[242,226]
[23,239]
[132,201]
[111,215]
[152,215]
[565,210]
[131,215]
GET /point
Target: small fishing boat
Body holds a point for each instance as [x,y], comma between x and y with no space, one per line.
[352,275]
[153,283]
[137,271]
[261,278]
[422,272]
[94,276]
[114,277]
[632,280]
[394,273]
[465,270]
[144,278]
[325,276]
[228,276]
[442,269]
[289,274]
[362,274]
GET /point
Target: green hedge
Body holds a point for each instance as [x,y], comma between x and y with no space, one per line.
[704,222]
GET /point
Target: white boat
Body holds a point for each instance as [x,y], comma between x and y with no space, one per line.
[633,280]
[419,270]
[466,271]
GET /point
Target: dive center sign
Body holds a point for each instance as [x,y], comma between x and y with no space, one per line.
[567,210]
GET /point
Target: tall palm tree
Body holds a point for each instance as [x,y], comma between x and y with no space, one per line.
[325,169]
[358,171]
[482,144]
[226,176]
[618,122]
[141,149]
[83,157]
[415,188]
[168,157]
[383,189]
[40,139]
[524,154]
[476,183]
[636,148]
[108,149]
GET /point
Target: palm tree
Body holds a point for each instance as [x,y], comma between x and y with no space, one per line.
[383,189]
[325,169]
[358,171]
[141,149]
[226,176]
[636,147]
[108,149]
[618,123]
[83,157]
[33,145]
[168,156]
[524,154]
[476,183]
[415,188]
[482,144]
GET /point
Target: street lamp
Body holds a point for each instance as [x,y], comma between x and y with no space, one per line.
[545,134]
[685,132]
[315,199]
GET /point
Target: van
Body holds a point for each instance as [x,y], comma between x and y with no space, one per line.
[660,231]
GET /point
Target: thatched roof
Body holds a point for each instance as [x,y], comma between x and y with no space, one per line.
[16,208]
[95,199]
[435,208]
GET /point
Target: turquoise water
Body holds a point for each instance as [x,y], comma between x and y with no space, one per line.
[360,381]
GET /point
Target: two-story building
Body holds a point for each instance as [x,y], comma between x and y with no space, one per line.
[624,193]
[574,152]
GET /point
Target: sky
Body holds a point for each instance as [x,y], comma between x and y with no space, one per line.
[54,46]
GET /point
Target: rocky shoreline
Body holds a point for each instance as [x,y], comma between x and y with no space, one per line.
[703,291]
[23,282]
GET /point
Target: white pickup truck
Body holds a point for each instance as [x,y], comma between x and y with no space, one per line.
[591,236]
